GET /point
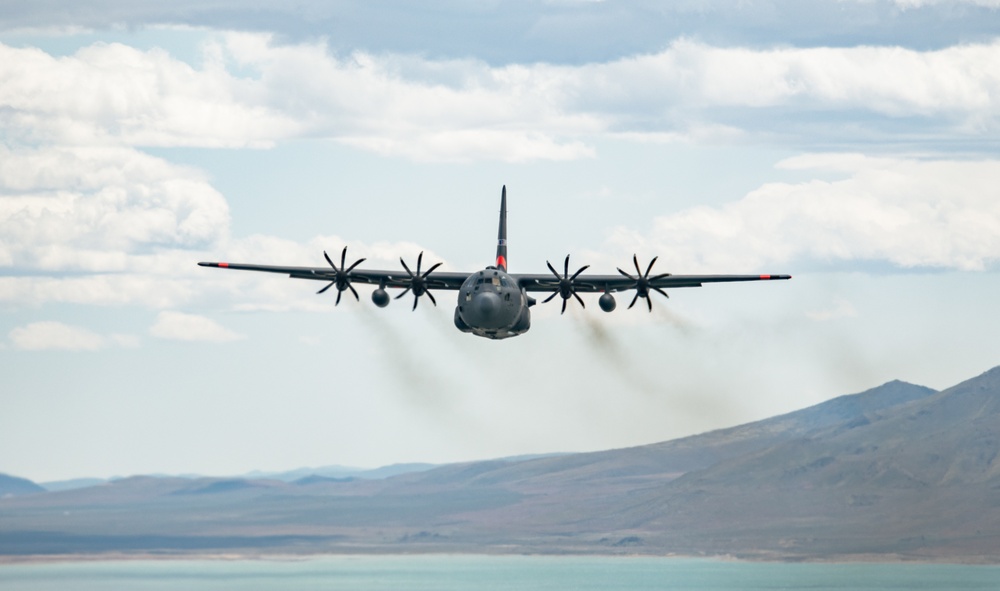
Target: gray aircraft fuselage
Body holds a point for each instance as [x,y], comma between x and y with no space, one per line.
[491,304]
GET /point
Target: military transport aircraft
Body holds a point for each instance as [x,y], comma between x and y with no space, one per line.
[493,303]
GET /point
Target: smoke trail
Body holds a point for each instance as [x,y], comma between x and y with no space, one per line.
[610,350]
[684,392]
[607,346]
[665,315]
[422,386]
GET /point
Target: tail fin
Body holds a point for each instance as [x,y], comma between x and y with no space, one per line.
[502,236]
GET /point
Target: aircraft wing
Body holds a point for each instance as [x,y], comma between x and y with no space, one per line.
[399,278]
[585,283]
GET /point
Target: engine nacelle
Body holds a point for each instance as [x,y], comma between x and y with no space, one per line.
[380,297]
[607,302]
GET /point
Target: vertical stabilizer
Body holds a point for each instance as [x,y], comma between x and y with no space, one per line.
[502,235]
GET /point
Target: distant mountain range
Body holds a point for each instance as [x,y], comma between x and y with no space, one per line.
[898,472]
[12,485]
[335,472]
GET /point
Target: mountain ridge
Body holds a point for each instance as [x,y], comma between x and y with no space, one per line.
[899,471]
[13,485]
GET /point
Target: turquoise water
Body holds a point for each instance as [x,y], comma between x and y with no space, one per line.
[444,573]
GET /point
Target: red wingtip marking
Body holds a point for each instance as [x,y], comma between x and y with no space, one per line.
[224,265]
[502,263]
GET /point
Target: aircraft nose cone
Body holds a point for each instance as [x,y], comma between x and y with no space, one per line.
[487,305]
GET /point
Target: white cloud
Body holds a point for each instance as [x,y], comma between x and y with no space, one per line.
[888,80]
[85,200]
[112,92]
[923,3]
[449,109]
[252,91]
[906,212]
[178,326]
[40,336]
[91,207]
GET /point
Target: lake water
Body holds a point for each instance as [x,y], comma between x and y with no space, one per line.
[451,572]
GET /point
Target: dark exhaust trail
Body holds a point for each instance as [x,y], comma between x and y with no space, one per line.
[609,349]
[664,315]
[422,386]
[699,403]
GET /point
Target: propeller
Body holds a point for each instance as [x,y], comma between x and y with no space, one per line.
[418,281]
[643,281]
[342,276]
[566,288]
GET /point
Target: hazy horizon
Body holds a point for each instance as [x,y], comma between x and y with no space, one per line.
[353,470]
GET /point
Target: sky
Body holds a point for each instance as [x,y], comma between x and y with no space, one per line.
[852,144]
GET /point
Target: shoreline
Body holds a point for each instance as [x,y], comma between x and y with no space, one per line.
[108,557]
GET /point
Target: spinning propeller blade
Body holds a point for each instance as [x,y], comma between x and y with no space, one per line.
[643,282]
[566,288]
[342,276]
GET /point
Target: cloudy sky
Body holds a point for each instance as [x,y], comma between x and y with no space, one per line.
[852,144]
